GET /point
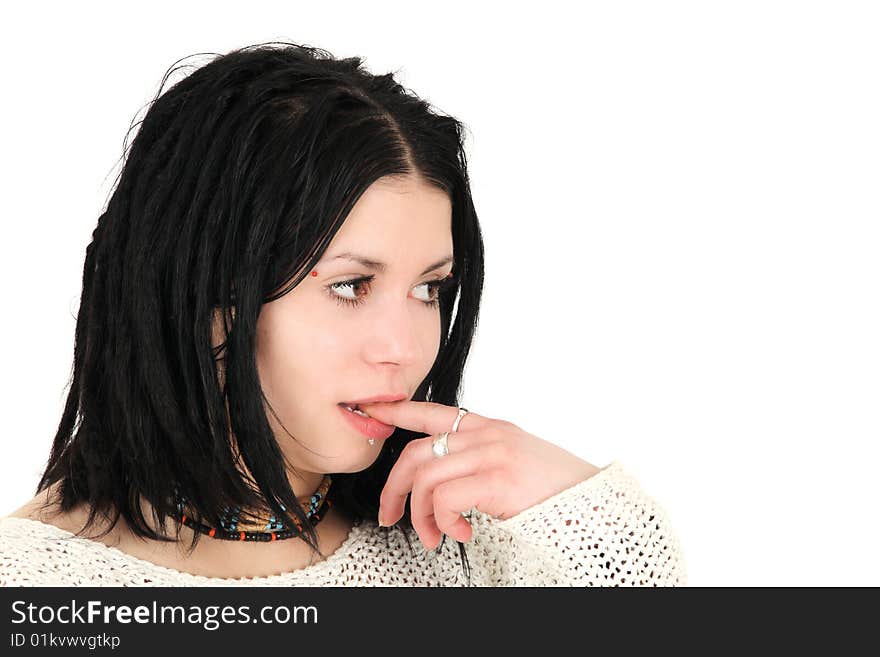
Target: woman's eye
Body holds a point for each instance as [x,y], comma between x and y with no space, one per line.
[348,292]
[431,287]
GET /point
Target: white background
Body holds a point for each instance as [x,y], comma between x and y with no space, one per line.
[680,208]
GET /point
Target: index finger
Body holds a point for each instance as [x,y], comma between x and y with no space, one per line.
[425,417]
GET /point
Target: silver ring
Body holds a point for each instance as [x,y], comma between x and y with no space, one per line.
[461,413]
[439,446]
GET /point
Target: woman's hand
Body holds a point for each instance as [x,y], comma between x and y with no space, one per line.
[492,465]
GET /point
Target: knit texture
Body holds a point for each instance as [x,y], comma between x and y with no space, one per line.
[603,531]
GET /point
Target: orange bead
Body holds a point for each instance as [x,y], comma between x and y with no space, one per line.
[314,273]
[241,534]
[212,532]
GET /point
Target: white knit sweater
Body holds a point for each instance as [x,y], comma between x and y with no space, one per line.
[603,531]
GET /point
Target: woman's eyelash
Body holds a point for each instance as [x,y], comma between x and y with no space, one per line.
[437,287]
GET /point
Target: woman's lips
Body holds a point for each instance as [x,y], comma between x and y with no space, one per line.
[368,426]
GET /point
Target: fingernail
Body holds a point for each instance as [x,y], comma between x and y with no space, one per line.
[381,524]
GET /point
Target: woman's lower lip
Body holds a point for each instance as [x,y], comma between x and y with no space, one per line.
[368,426]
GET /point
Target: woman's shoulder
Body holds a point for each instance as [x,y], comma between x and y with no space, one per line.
[35,507]
[43,507]
[40,545]
[32,553]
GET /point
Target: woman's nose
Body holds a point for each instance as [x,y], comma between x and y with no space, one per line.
[397,335]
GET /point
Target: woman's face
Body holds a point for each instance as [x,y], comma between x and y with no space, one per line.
[317,348]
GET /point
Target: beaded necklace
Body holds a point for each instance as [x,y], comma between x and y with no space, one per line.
[232,528]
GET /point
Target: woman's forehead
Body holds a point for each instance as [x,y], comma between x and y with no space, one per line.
[396,215]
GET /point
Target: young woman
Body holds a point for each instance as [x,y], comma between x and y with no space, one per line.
[277,306]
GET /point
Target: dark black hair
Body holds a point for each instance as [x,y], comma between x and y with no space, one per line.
[238,178]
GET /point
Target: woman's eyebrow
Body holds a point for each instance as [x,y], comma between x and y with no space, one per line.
[370,263]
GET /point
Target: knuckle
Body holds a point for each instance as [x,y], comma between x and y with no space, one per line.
[497,479]
[500,451]
[441,495]
[421,471]
[500,430]
[407,450]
